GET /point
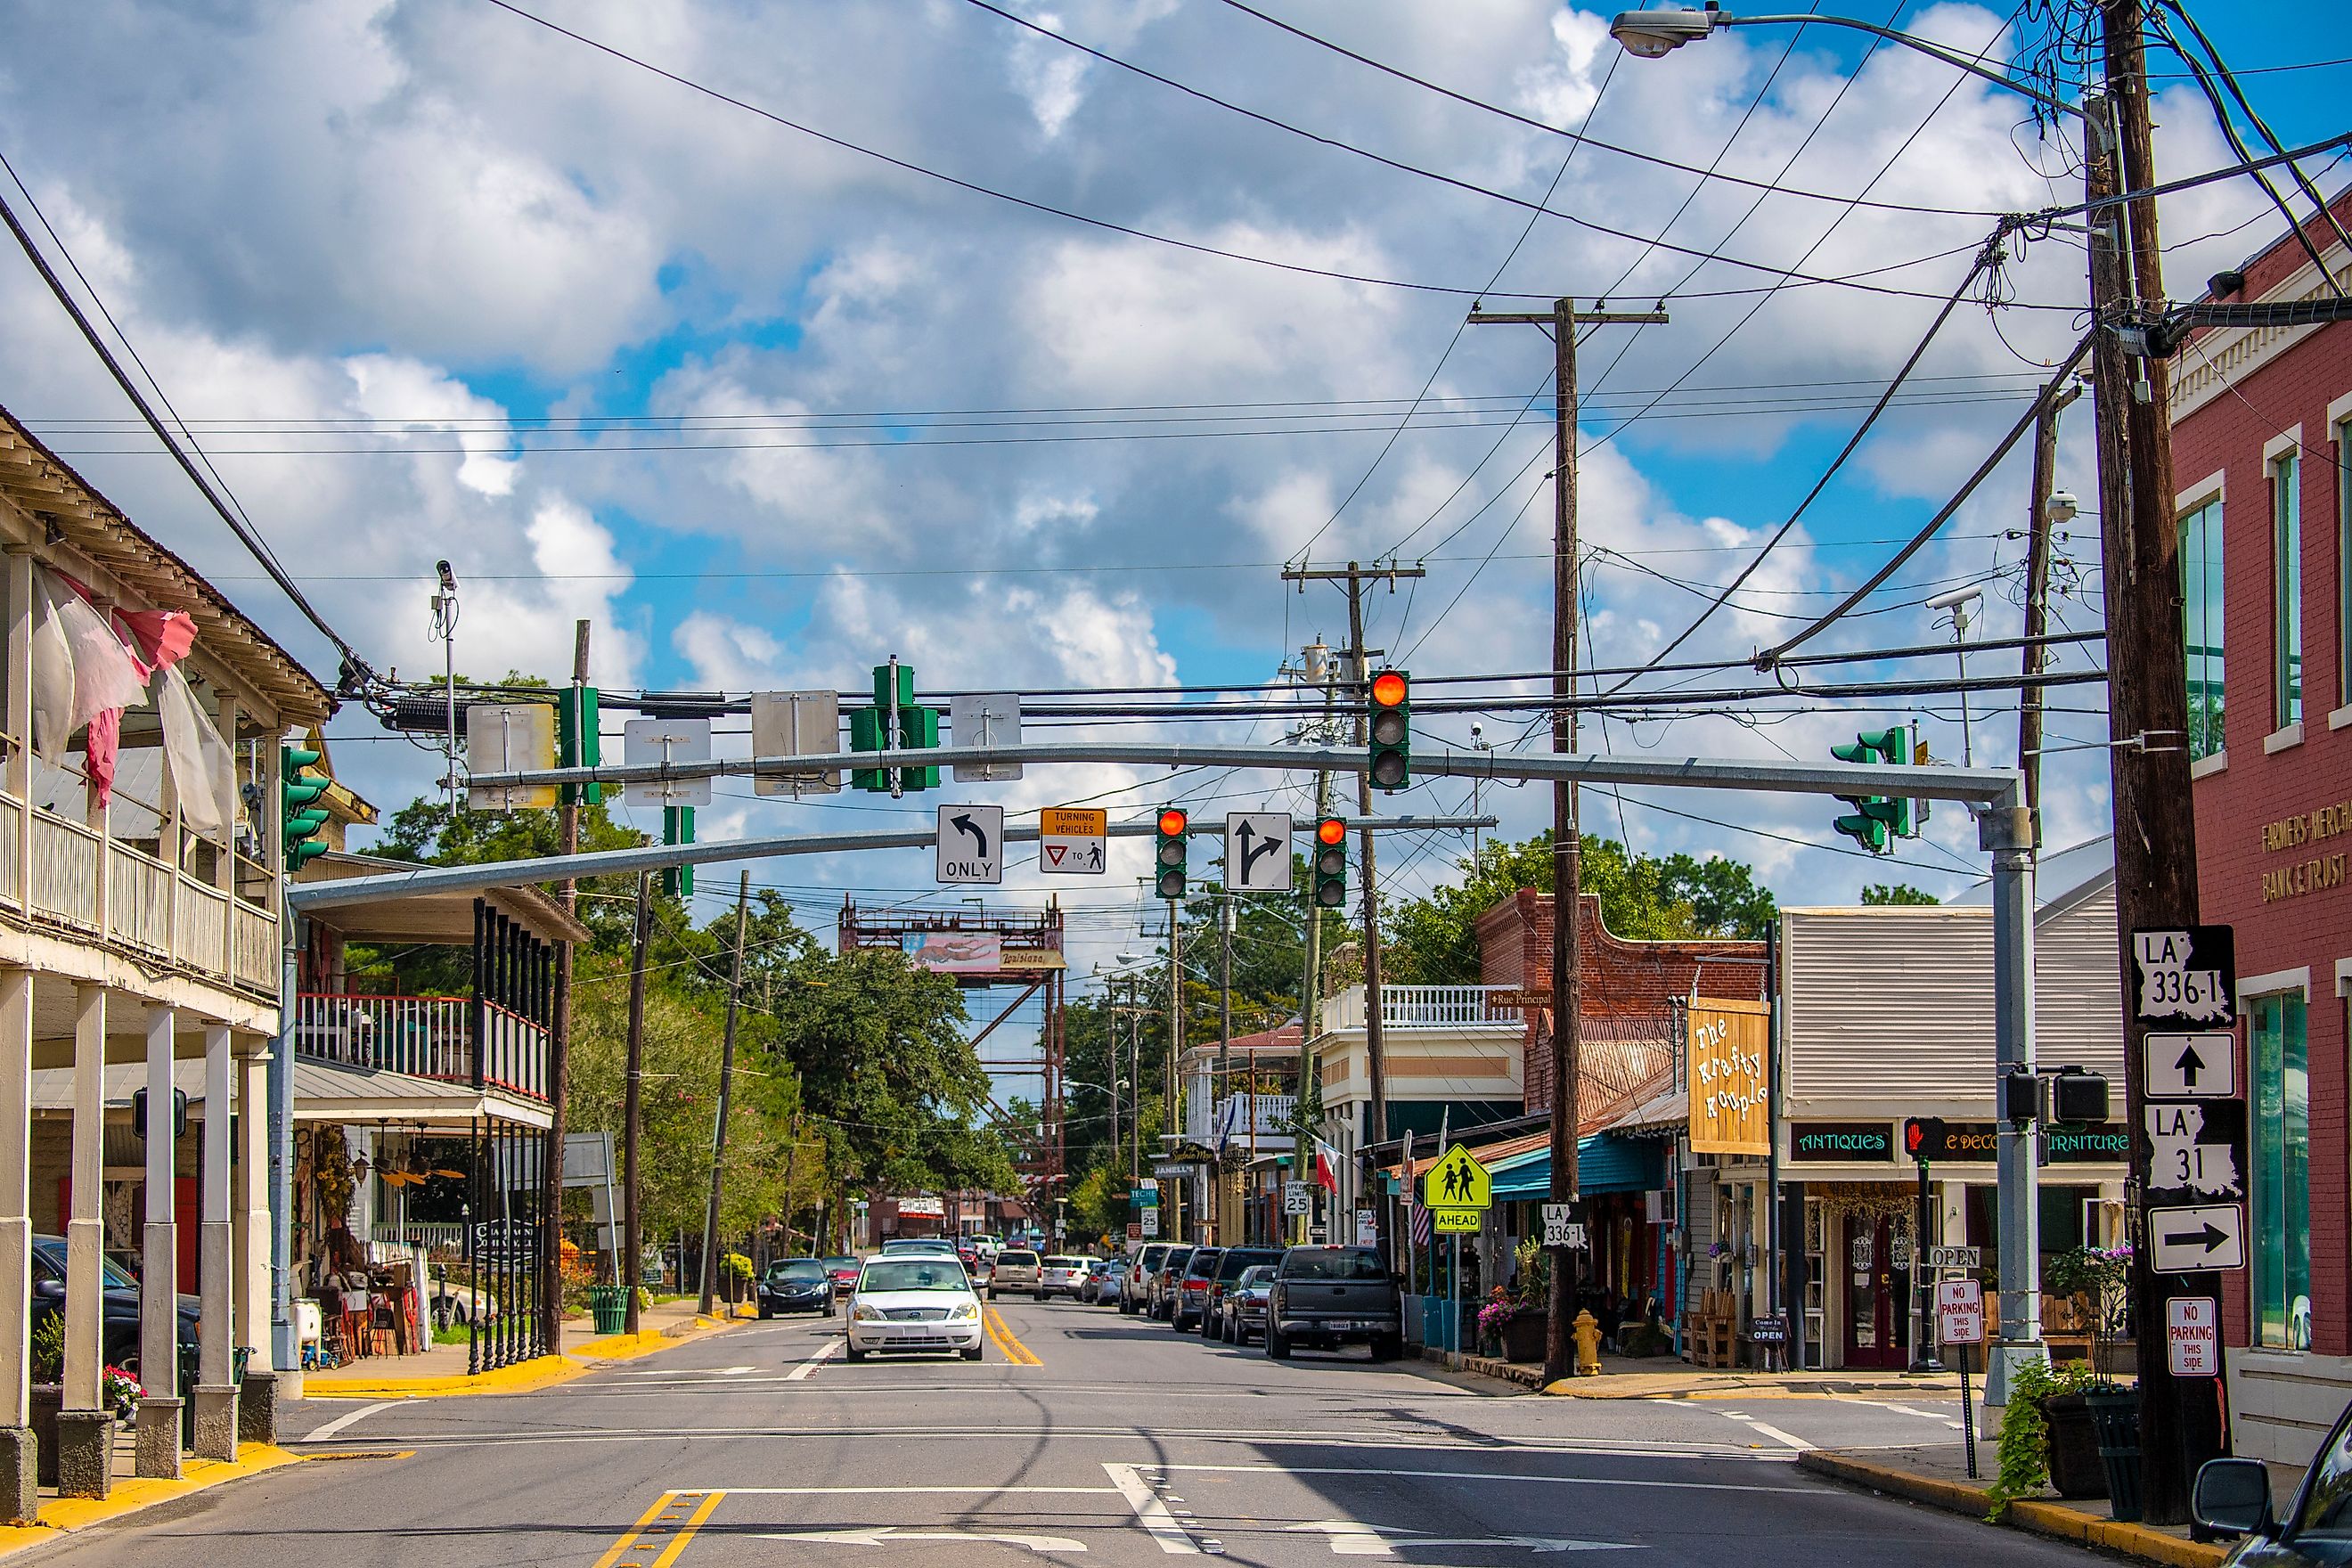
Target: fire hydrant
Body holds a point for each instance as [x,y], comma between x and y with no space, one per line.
[1588,1345]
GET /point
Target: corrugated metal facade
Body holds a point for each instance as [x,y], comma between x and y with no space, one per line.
[1892,1005]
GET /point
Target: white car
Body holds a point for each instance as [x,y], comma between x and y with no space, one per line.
[1061,1277]
[914,1303]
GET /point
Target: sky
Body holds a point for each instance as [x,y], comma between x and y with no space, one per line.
[606,321]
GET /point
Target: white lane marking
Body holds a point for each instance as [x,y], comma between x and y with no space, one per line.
[1786,1439]
[687,1372]
[1474,1476]
[889,1535]
[922,1491]
[1151,1513]
[345,1420]
[809,1364]
[1350,1538]
[1926,1414]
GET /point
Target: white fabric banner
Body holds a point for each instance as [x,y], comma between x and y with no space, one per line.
[53,675]
[204,766]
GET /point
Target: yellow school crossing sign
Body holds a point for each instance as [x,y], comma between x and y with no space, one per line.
[1457,1191]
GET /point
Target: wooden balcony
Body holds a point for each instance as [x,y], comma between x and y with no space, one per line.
[424,1036]
[59,875]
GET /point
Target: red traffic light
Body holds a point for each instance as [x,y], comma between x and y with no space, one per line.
[1173,822]
[1387,688]
[1331,830]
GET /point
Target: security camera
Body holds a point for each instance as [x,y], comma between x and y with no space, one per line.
[1476,730]
[2062,506]
[448,578]
[1953,598]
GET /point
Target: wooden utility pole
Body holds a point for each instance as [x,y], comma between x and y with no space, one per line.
[2037,591]
[1315,663]
[2156,831]
[632,1251]
[725,1090]
[1359,677]
[559,1054]
[1224,1083]
[1567,844]
[1175,1051]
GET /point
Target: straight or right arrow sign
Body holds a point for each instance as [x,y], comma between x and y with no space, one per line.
[2208,1235]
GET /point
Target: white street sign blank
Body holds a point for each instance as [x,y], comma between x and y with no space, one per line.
[650,742]
[991,718]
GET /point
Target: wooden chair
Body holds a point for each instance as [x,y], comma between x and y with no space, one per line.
[1710,1330]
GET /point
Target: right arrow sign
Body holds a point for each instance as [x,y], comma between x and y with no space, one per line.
[2190,1240]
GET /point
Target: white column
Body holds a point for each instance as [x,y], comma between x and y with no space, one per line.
[159,1273]
[219,1292]
[15,1191]
[86,1227]
[252,1200]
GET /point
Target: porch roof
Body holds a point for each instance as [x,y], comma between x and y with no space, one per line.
[323,1093]
[431,917]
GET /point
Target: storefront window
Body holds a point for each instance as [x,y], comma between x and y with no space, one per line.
[2286,593]
[2344,564]
[2281,1175]
[2201,586]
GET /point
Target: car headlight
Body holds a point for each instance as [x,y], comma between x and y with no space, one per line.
[865,1314]
[966,1313]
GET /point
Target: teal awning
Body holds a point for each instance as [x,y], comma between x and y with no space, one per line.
[1605,1163]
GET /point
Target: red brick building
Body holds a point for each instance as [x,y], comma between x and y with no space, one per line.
[2263,463]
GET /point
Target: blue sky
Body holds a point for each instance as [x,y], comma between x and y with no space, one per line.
[436,278]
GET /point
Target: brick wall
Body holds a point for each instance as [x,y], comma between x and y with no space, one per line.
[1622,980]
[2283,781]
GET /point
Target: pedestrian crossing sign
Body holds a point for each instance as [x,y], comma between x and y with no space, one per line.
[1456,1182]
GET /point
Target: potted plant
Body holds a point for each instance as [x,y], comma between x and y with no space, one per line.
[2036,1450]
[2096,1425]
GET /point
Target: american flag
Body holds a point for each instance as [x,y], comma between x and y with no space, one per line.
[1417,1216]
[1420,1223]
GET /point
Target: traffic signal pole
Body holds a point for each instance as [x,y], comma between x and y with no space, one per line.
[1566,841]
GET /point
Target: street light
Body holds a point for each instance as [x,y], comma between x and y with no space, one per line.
[1957,601]
[1653,34]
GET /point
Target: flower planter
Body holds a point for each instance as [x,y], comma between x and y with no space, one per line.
[46,1400]
[2076,1467]
[1523,1337]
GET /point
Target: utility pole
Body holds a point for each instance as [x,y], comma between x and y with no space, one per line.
[1175,1049]
[559,1054]
[631,1252]
[2156,831]
[1567,977]
[1224,1039]
[1359,659]
[2037,591]
[1315,662]
[725,1090]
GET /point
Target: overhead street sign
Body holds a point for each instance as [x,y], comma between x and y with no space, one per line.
[1257,852]
[992,718]
[2192,1067]
[1071,843]
[647,742]
[1456,1182]
[2186,1240]
[2192,1336]
[2185,974]
[971,847]
[795,724]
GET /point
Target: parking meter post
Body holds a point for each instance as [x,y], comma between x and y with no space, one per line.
[1968,1417]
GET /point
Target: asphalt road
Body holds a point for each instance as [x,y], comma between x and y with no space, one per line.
[1082,1435]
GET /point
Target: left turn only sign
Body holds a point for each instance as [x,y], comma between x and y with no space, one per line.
[971,845]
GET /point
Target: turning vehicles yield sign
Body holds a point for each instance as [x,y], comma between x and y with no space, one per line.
[971,843]
[1257,852]
[1071,842]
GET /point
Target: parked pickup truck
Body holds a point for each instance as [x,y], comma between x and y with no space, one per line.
[1327,1297]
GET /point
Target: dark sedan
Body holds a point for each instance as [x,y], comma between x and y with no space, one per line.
[796,1285]
[2234,1498]
[1243,1306]
[118,1325]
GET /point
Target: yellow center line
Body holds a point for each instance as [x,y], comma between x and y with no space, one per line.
[654,1528]
[1015,1350]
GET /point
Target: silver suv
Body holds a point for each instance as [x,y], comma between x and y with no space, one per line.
[1015,1270]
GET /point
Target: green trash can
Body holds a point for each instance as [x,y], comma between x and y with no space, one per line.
[610,1306]
[2115,1416]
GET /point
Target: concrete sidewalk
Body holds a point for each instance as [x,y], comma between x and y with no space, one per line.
[442,1369]
[1938,1476]
[1656,1377]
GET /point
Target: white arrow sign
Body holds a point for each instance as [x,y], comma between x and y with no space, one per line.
[971,845]
[2189,1240]
[2193,1067]
[1349,1538]
[1257,852]
[891,1535]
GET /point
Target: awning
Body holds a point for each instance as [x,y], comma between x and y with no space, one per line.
[1604,1163]
[323,1093]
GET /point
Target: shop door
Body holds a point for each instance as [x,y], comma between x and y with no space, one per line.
[1874,1324]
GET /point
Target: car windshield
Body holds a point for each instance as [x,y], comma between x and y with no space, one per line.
[1018,1260]
[1177,1258]
[115,1276]
[2327,1512]
[1236,1263]
[841,1263]
[1203,1264]
[914,1274]
[1078,1263]
[1333,1263]
[1257,1277]
[799,1269]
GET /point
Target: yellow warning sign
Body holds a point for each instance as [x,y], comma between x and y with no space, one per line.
[1456,1182]
[1063,822]
[1469,1221]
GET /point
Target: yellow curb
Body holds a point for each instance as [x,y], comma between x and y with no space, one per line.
[2050,1519]
[129,1496]
[523,1377]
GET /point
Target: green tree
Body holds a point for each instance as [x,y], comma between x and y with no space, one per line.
[1895,893]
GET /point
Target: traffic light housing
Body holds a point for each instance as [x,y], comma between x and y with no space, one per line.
[1331,878]
[138,1113]
[576,742]
[2078,1097]
[1923,1136]
[872,730]
[677,828]
[303,818]
[1390,724]
[1170,848]
[1877,820]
